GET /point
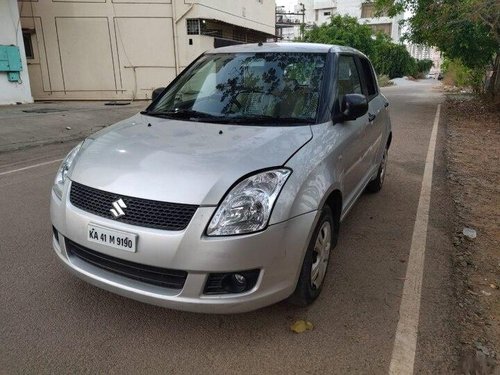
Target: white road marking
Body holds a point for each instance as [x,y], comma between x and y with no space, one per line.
[31,166]
[405,341]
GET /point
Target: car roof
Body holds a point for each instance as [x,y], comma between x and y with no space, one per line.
[284,47]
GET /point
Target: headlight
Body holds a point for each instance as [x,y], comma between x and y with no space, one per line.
[63,170]
[247,207]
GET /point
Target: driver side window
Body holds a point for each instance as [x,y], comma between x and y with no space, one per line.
[348,77]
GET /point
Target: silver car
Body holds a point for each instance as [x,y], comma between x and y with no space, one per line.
[226,194]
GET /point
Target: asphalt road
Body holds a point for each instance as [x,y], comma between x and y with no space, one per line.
[51,322]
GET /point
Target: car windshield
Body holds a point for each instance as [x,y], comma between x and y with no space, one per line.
[270,88]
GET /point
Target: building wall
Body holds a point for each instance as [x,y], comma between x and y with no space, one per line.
[123,49]
[353,8]
[10,34]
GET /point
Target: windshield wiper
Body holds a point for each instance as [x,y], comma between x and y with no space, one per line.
[248,119]
[265,119]
[155,114]
[181,113]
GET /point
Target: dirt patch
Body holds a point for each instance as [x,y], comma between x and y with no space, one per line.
[473,156]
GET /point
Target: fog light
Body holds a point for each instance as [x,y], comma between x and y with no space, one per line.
[227,283]
[239,283]
[239,279]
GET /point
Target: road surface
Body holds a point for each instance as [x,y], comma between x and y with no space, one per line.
[51,322]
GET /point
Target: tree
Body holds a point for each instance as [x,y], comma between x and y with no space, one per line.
[467,30]
[387,57]
[392,59]
[342,30]
[423,66]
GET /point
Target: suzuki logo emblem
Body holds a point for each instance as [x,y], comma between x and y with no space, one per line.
[117,209]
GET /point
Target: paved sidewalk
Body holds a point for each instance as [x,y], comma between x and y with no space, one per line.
[42,123]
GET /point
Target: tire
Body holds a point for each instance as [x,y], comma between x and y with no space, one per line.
[309,287]
[376,184]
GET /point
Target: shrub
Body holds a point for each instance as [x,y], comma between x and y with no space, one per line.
[384,80]
[423,66]
[457,74]
[387,57]
[393,60]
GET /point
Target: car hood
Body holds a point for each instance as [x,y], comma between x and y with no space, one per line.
[181,161]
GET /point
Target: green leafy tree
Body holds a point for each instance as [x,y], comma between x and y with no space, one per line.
[393,60]
[342,30]
[423,66]
[465,30]
[387,57]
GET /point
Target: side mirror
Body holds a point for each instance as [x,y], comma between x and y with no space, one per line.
[156,93]
[353,106]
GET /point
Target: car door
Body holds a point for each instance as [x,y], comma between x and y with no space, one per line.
[354,147]
[374,132]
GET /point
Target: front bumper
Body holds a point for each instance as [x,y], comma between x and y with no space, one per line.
[277,252]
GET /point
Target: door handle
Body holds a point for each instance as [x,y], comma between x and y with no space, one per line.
[371,117]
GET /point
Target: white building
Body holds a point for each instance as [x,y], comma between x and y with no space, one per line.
[14,84]
[421,52]
[123,49]
[288,22]
[318,12]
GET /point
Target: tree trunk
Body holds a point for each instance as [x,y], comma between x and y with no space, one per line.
[494,86]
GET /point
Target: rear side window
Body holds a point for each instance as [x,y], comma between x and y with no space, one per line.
[369,78]
[348,77]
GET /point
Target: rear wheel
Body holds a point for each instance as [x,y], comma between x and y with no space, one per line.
[376,184]
[315,265]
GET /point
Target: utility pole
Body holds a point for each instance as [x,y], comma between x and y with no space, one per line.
[303,25]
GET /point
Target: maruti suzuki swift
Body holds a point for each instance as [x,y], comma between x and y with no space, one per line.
[226,194]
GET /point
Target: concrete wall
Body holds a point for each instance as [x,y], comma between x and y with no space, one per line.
[10,33]
[123,49]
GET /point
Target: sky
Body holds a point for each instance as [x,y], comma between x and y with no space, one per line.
[287,3]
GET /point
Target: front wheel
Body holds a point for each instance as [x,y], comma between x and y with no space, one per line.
[376,184]
[315,265]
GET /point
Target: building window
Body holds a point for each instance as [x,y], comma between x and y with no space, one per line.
[193,27]
[368,11]
[386,28]
[28,45]
[327,13]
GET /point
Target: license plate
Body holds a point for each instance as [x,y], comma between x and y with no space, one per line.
[110,237]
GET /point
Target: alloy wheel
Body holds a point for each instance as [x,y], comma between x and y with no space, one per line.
[321,254]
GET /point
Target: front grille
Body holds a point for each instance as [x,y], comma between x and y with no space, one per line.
[141,212]
[163,277]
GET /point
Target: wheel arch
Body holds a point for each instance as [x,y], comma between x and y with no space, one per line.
[389,140]
[334,201]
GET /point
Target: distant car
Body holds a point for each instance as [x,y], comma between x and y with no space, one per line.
[226,194]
